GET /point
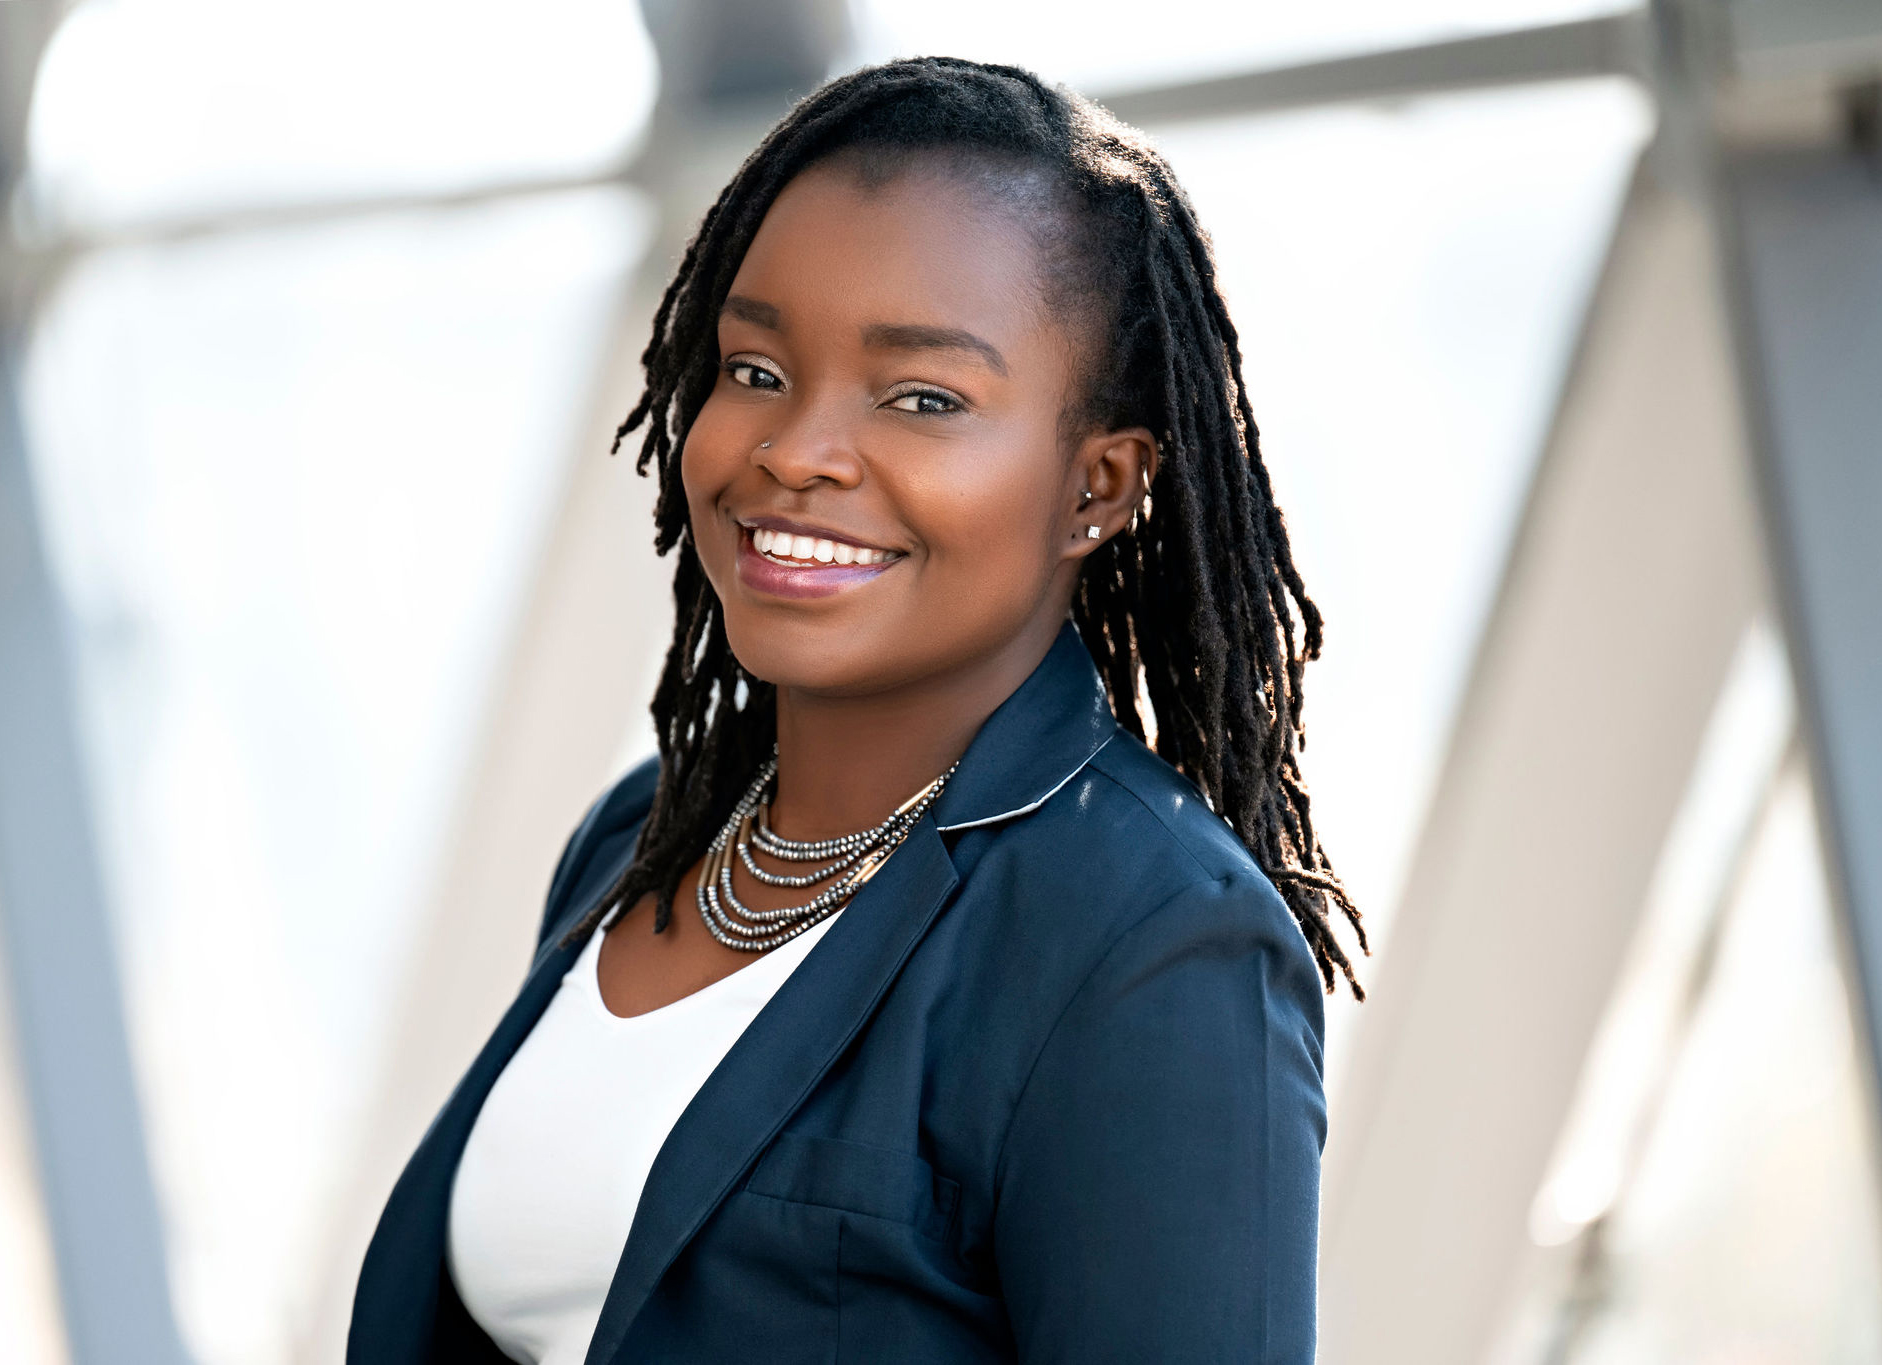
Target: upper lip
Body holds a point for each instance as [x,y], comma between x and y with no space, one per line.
[804,528]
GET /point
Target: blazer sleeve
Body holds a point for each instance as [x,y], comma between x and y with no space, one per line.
[1158,1191]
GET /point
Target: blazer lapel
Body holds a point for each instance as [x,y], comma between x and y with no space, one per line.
[773,1067]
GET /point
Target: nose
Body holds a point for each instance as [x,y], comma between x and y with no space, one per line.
[809,448]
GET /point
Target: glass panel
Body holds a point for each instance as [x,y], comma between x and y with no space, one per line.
[1747,1230]
[294,483]
[147,110]
[1747,736]
[1107,45]
[1408,285]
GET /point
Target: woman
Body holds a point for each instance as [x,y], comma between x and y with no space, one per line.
[908,1007]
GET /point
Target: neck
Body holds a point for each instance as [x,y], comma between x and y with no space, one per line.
[844,763]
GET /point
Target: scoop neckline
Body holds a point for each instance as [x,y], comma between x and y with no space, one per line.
[588,969]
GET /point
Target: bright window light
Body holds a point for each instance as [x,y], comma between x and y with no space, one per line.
[147,111]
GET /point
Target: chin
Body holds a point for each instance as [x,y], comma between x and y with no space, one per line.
[805,657]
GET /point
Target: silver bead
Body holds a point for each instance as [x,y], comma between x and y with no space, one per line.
[849,857]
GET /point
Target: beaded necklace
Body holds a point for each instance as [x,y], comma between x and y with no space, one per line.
[852,858]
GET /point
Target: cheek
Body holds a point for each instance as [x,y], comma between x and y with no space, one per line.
[704,459]
[709,461]
[990,519]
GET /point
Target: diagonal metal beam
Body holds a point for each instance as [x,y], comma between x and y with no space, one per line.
[1614,44]
[55,933]
[1632,581]
[68,1021]
[1805,232]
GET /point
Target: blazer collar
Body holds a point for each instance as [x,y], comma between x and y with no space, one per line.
[1033,742]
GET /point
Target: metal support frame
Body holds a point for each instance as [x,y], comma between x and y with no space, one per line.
[68,1027]
[1610,45]
[68,1022]
[1806,233]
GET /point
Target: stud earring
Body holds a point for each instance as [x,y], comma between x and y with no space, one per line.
[1084,498]
[1091,533]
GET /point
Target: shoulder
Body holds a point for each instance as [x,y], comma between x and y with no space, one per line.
[1173,819]
[1126,865]
[1131,832]
[612,817]
[1179,1070]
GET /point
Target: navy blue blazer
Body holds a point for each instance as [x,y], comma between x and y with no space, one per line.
[1048,1090]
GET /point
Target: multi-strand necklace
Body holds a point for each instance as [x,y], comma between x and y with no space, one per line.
[851,858]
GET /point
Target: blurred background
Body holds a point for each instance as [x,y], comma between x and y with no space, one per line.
[324,613]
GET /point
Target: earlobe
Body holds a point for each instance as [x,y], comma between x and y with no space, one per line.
[1092,530]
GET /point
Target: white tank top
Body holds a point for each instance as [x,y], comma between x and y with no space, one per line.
[554,1167]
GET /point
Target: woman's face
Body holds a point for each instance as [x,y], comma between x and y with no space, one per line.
[878,486]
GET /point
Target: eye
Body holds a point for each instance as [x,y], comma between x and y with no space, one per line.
[751,374]
[928,402]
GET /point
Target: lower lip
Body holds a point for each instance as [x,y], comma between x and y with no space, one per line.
[786,580]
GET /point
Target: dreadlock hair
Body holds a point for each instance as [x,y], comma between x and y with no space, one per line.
[1192,614]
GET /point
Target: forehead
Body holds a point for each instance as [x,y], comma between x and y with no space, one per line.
[919,247]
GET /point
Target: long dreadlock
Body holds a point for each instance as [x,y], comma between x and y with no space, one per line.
[1193,610]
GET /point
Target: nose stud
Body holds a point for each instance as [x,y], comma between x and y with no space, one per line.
[764,445]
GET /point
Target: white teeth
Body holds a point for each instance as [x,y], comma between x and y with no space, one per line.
[782,545]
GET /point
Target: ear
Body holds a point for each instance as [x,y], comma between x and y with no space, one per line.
[1116,468]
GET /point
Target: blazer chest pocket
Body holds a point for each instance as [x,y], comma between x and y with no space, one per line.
[876,1182]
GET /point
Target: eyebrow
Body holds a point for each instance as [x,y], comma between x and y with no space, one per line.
[886,336]
[751,310]
[910,336]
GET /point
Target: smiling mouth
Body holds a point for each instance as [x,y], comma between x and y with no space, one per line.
[813,552]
